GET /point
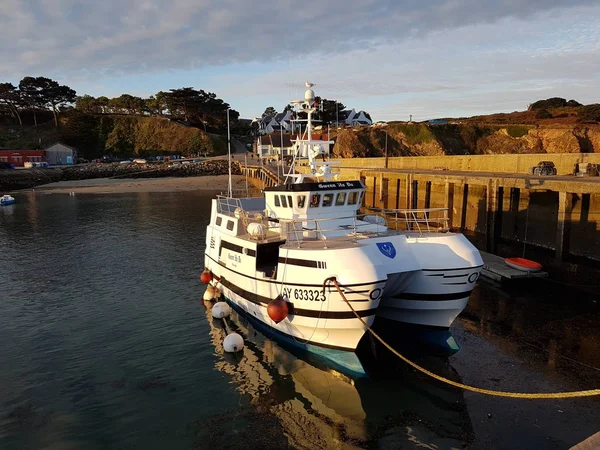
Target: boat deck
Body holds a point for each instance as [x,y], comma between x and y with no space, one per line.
[496,269]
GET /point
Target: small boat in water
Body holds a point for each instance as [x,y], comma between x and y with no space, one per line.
[526,265]
[6,200]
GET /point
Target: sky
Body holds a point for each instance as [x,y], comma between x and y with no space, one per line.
[392,58]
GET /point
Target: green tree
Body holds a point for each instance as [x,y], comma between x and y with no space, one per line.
[102,103]
[331,110]
[42,92]
[11,98]
[33,94]
[86,104]
[269,111]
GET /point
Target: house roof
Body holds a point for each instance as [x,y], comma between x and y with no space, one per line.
[64,145]
[276,140]
[281,116]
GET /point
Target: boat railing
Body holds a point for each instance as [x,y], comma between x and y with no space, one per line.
[426,220]
[298,231]
[228,205]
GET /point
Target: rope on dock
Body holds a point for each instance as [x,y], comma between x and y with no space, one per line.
[524,395]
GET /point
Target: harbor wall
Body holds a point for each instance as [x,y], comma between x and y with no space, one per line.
[506,163]
[555,220]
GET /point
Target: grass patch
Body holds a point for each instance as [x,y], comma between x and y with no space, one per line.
[517,131]
[416,133]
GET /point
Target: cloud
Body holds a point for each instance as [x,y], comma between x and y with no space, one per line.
[115,37]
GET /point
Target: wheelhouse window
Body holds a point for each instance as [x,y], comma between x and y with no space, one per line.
[327,199]
[353,198]
[314,200]
[230,225]
[301,200]
[219,220]
[283,201]
[290,203]
[277,202]
[340,199]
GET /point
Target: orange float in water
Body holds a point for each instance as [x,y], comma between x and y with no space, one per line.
[206,276]
[278,309]
[526,265]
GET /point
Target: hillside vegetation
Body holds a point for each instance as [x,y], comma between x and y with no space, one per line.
[462,139]
[95,135]
[554,125]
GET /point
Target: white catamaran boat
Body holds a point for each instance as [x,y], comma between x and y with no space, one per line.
[401,265]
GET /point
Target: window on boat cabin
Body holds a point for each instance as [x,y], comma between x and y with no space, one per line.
[314,200]
[277,202]
[327,199]
[230,225]
[301,200]
[340,199]
[283,201]
[353,198]
[361,197]
[291,205]
[218,221]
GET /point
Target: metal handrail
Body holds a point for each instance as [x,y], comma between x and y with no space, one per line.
[228,205]
[414,218]
[428,220]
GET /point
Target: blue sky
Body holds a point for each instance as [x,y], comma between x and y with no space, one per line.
[391,58]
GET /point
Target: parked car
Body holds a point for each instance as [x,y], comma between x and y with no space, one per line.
[544,168]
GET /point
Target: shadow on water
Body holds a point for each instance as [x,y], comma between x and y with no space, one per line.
[314,406]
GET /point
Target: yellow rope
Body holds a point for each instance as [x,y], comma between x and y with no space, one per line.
[572,394]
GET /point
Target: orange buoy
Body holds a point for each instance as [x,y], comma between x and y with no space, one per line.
[206,276]
[523,264]
[278,309]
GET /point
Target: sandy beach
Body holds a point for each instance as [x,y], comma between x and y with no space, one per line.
[126,185]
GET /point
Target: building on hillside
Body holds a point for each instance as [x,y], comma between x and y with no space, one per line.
[18,158]
[353,118]
[262,146]
[275,122]
[438,122]
[59,154]
[281,143]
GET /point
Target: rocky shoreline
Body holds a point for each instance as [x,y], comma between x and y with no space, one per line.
[11,180]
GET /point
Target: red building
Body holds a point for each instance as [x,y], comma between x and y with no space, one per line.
[20,157]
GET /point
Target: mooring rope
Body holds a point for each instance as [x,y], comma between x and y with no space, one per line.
[572,394]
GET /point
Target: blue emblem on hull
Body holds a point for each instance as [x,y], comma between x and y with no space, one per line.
[387,248]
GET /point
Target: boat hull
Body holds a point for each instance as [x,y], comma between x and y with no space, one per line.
[434,297]
[336,330]
[345,361]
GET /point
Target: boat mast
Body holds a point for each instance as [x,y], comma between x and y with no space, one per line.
[230,190]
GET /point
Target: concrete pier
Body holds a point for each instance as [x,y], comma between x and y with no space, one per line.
[559,214]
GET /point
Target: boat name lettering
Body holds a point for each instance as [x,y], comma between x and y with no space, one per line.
[236,258]
[305,294]
[336,185]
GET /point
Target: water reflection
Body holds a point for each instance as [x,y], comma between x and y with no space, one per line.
[318,408]
[555,325]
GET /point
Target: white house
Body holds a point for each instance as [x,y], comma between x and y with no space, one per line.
[271,144]
[353,118]
[277,122]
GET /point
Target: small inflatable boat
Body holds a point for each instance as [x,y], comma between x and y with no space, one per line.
[6,200]
[526,265]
